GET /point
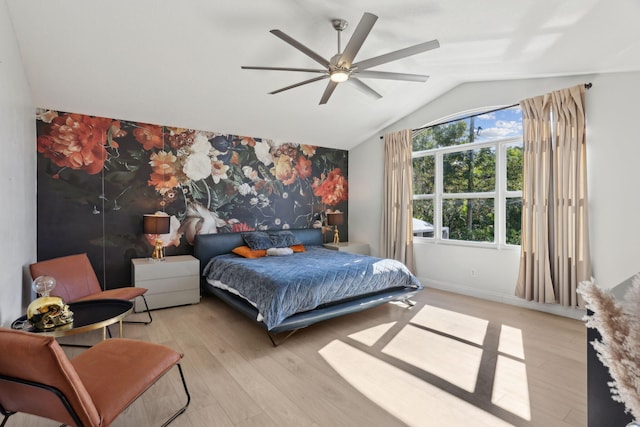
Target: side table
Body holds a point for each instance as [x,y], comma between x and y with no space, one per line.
[87,316]
[356,248]
[172,282]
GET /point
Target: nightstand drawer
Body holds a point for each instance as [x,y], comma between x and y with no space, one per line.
[172,266]
[168,299]
[169,284]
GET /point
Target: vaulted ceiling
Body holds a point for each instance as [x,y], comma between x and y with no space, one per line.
[178,62]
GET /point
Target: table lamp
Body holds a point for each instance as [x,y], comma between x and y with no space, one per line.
[156,224]
[335,219]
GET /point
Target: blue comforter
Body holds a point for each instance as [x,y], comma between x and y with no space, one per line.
[281,286]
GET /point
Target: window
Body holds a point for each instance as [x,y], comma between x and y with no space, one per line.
[467,179]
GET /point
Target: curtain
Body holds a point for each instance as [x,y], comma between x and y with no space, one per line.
[555,255]
[397,200]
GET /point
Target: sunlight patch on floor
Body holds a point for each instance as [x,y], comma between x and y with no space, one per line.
[468,328]
[449,359]
[511,388]
[372,335]
[411,400]
[511,342]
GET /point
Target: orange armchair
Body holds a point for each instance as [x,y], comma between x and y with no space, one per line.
[76,281]
[92,389]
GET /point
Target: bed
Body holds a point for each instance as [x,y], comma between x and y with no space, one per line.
[286,293]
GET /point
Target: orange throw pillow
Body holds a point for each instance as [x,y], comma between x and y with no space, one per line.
[247,252]
[298,248]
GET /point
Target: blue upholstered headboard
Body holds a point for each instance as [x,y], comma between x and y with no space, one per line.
[207,246]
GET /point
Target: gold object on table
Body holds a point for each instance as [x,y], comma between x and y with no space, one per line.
[46,313]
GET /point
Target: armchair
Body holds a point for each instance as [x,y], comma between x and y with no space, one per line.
[76,281]
[92,389]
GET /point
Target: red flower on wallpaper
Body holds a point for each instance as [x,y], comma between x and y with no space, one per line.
[237,227]
[150,136]
[333,189]
[78,142]
[304,167]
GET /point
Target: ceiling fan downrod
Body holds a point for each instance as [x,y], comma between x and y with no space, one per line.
[339,25]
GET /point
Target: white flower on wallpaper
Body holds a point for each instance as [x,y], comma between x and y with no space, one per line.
[197,167]
[250,173]
[201,145]
[200,220]
[263,153]
[246,189]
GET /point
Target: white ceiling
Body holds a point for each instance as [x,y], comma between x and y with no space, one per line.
[178,62]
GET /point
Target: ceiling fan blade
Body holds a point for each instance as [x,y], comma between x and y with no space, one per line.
[398,54]
[302,48]
[328,91]
[390,76]
[364,87]
[304,70]
[315,79]
[357,39]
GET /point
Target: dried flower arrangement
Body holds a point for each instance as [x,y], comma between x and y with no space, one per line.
[618,322]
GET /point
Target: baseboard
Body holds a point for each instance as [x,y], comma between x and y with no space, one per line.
[505,299]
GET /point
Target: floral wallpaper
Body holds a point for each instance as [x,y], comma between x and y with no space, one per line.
[98,176]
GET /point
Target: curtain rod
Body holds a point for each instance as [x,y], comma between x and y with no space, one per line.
[586,86]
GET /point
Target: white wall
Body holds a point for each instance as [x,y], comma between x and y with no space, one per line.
[613,153]
[17,174]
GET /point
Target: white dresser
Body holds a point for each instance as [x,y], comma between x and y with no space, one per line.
[174,281]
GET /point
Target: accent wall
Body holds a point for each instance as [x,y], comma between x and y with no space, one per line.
[98,176]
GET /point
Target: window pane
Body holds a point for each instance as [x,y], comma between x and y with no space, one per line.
[469,219]
[423,218]
[470,171]
[424,171]
[444,135]
[514,168]
[423,140]
[514,220]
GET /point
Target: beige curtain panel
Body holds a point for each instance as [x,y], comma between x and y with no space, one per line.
[555,255]
[397,200]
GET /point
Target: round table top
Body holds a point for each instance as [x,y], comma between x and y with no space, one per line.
[87,316]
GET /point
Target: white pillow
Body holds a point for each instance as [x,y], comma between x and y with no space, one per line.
[279,251]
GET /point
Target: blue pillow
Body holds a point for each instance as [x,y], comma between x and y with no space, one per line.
[283,239]
[257,240]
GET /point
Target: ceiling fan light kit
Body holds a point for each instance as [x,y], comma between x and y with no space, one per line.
[342,68]
[340,75]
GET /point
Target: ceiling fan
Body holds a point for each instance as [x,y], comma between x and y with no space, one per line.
[341,67]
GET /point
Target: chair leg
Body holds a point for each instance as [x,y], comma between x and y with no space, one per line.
[184,408]
[63,399]
[6,414]
[141,321]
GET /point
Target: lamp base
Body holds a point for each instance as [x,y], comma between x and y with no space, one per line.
[158,252]
[336,237]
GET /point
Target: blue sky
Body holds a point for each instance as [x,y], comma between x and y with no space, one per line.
[500,124]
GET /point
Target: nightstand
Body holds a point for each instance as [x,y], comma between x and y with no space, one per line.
[356,248]
[174,281]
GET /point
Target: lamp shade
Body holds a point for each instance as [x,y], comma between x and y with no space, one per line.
[156,224]
[336,218]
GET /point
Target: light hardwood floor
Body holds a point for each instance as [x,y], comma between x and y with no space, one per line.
[449,361]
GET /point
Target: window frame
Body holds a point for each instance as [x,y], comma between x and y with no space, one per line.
[499,195]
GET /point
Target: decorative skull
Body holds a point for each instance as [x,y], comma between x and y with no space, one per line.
[46,313]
